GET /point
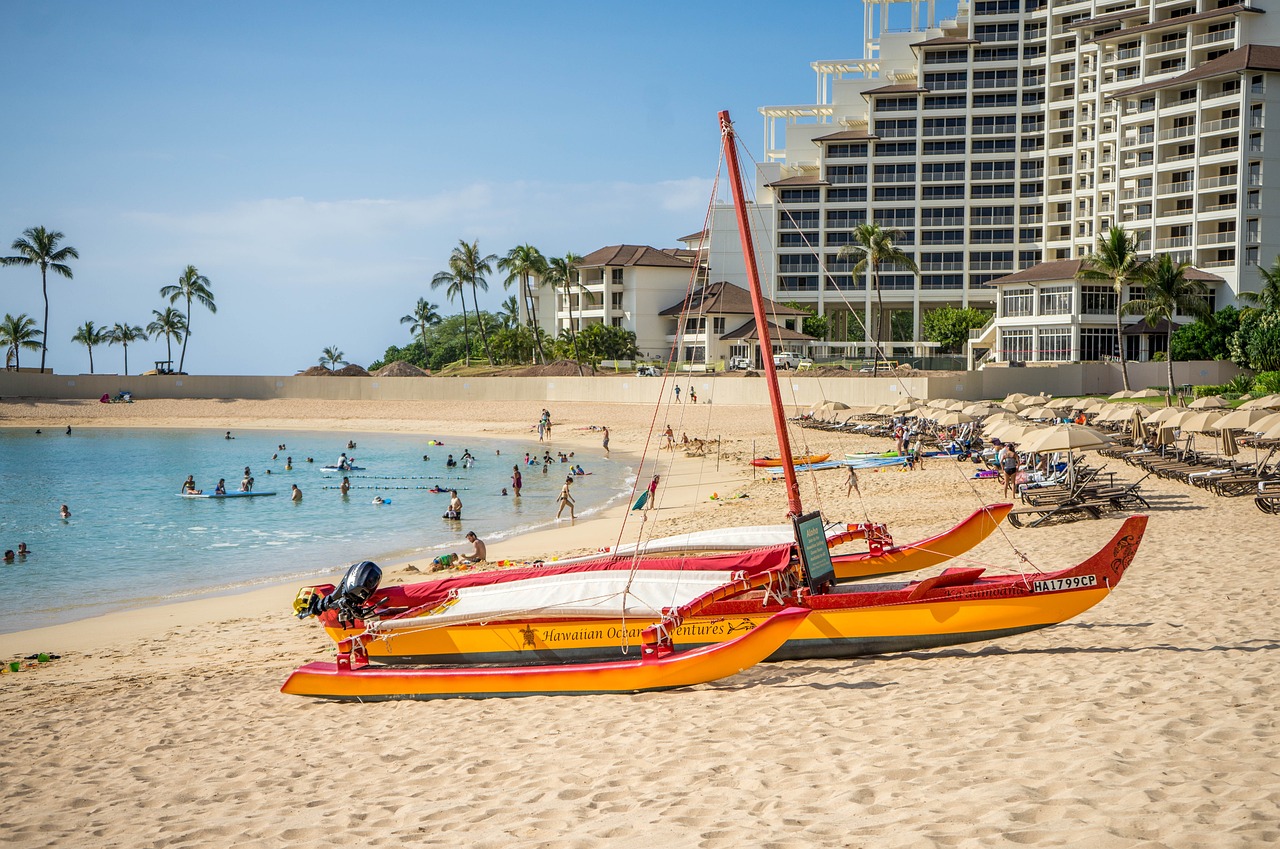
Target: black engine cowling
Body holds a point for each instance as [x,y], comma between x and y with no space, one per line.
[355,588]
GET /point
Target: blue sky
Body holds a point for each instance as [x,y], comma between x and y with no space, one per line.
[318,161]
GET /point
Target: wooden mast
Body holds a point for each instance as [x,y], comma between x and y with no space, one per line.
[762,325]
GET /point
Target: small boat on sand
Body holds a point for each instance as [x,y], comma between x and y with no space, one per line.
[799,460]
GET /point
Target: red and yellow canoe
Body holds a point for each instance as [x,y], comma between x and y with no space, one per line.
[958,606]
[879,562]
[799,460]
[685,669]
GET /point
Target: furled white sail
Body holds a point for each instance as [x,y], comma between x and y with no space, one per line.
[718,539]
[606,595]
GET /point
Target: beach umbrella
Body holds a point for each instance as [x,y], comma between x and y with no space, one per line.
[1039,413]
[1064,437]
[833,406]
[1199,421]
[905,407]
[1229,447]
[1239,419]
[1135,423]
[1010,432]
[1266,402]
[1264,424]
[1161,415]
[1014,398]
[1062,404]
[957,406]
[1093,405]
[980,410]
[1272,432]
[883,410]
[951,417]
[1123,393]
[1209,402]
[1148,393]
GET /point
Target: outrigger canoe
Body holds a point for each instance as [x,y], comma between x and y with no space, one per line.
[801,459]
[959,606]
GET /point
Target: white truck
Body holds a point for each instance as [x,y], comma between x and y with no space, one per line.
[786,359]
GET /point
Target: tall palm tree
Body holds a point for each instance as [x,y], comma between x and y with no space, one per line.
[875,246]
[1115,261]
[521,263]
[124,333]
[38,246]
[89,335]
[1167,292]
[424,316]
[333,357]
[1268,298]
[171,324]
[191,286]
[562,271]
[456,287]
[471,267]
[18,332]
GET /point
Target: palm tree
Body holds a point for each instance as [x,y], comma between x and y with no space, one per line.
[191,286]
[424,316]
[1115,261]
[89,335]
[16,333]
[1167,292]
[171,324]
[1269,298]
[123,334]
[38,246]
[470,267]
[563,271]
[874,246]
[523,262]
[333,357]
[455,287]
[509,313]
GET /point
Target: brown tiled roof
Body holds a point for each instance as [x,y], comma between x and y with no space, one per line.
[725,299]
[1251,57]
[1067,269]
[693,237]
[801,180]
[1106,19]
[945,40]
[1062,269]
[776,333]
[631,255]
[902,88]
[1225,11]
[847,135]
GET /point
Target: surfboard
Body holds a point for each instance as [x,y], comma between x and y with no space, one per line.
[336,469]
[641,501]
[227,495]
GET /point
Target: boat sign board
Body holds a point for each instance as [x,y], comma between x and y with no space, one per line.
[815,555]
[1076,582]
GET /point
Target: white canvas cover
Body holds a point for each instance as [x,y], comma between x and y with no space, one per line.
[606,595]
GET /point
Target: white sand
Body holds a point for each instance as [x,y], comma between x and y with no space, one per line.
[1149,721]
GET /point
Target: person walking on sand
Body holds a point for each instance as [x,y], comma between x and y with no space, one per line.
[517,480]
[1009,466]
[606,441]
[565,499]
[670,439]
[852,483]
[677,393]
[653,494]
[693,394]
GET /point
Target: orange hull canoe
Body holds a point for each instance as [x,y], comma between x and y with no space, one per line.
[799,460]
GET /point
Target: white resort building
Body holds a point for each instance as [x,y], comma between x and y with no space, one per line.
[1001,142]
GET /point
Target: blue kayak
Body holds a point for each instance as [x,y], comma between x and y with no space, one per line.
[222,495]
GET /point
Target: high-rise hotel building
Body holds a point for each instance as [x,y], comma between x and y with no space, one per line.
[1002,142]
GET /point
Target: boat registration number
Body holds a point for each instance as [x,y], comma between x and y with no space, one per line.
[1074,583]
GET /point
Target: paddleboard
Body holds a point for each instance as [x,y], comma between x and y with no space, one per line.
[336,469]
[227,495]
[641,501]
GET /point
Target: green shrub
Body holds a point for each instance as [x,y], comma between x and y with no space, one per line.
[1239,385]
[1209,389]
[1158,357]
[1266,383]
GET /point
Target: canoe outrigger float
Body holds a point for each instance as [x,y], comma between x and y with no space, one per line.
[638,623]
[799,460]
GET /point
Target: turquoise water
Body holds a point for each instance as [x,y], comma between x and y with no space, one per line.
[132,541]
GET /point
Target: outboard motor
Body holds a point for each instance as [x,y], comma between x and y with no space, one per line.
[360,582]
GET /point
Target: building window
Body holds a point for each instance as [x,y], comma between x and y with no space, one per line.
[1055,345]
[615,300]
[798,263]
[717,325]
[895,193]
[837,174]
[616,276]
[896,128]
[1017,303]
[942,281]
[1097,343]
[948,192]
[947,80]
[1097,300]
[845,219]
[904,173]
[798,220]
[944,148]
[996,32]
[797,240]
[695,353]
[616,321]
[843,195]
[895,104]
[800,195]
[945,101]
[1055,300]
[896,149]
[1015,345]
[695,324]
[846,151]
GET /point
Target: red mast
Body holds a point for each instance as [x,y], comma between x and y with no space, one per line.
[762,325]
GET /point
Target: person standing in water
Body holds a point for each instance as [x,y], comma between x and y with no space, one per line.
[346,486]
[517,480]
[565,499]
[606,441]
[296,495]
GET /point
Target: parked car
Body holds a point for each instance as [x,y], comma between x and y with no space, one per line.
[786,359]
[739,364]
[648,371]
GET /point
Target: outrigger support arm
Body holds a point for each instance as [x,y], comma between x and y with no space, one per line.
[728,139]
[657,637]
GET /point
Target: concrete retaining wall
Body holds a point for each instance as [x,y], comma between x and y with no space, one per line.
[1069,379]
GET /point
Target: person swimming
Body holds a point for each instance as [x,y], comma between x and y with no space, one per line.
[451,463]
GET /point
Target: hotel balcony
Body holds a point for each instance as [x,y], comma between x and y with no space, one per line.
[1231,180]
[1227,238]
[1173,242]
[1214,37]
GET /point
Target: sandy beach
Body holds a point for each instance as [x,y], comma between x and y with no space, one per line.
[1149,721]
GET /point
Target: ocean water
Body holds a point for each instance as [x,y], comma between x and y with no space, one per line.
[131,541]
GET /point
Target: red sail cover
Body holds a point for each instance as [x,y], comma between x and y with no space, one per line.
[389,601]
